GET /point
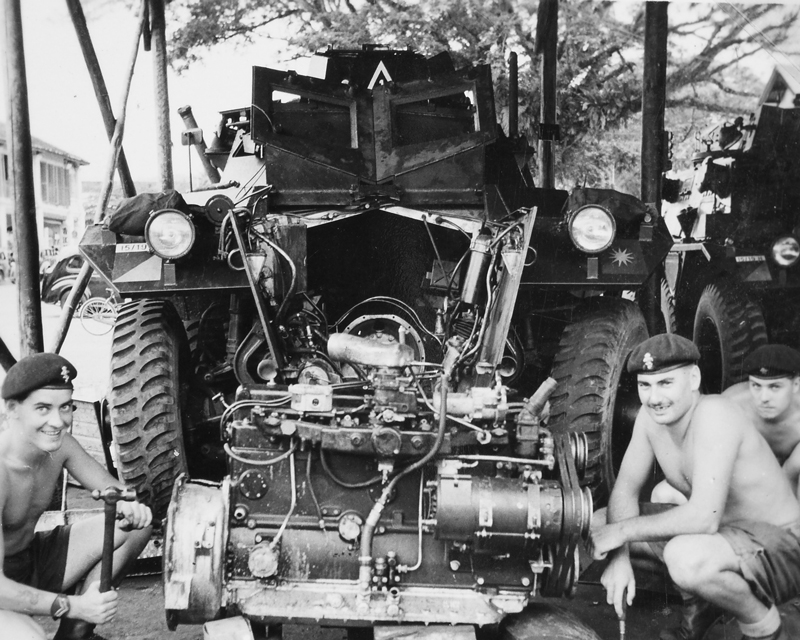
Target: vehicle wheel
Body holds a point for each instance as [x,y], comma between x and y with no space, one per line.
[146,400]
[64,296]
[595,396]
[727,326]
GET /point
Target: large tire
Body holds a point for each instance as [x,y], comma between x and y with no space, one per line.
[595,396]
[727,326]
[146,401]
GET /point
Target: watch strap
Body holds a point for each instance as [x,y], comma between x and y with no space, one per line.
[60,606]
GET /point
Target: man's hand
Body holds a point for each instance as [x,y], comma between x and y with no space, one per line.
[604,539]
[93,606]
[135,515]
[618,577]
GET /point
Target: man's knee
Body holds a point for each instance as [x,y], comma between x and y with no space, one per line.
[20,626]
[691,561]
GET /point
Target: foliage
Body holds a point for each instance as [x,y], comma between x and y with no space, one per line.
[599,59]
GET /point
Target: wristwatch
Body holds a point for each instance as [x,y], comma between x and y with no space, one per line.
[60,606]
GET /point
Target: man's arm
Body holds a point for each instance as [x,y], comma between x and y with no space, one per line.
[717,427]
[791,467]
[93,606]
[92,475]
[624,504]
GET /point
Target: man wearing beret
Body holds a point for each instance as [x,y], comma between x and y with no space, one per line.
[734,545]
[39,569]
[771,399]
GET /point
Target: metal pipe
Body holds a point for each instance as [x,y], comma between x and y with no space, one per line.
[157,27]
[100,90]
[513,95]
[116,145]
[190,123]
[25,228]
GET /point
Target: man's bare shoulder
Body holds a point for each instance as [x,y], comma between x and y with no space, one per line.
[714,411]
[739,393]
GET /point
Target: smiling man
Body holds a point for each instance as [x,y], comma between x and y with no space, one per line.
[771,399]
[39,569]
[734,545]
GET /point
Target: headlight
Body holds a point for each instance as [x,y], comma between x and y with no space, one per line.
[592,229]
[786,251]
[169,233]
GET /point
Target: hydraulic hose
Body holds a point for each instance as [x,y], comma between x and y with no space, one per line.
[365,560]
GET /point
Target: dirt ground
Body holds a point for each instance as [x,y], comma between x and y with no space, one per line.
[141,616]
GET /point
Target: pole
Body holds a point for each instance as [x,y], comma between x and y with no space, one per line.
[654,99]
[25,229]
[100,90]
[116,146]
[157,27]
[547,35]
[513,95]
[654,92]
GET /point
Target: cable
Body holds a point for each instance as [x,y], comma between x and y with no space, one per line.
[292,479]
[346,485]
[311,491]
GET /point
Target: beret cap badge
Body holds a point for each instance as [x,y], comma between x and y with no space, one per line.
[65,373]
[647,361]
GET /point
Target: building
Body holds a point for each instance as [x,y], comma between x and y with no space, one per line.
[60,216]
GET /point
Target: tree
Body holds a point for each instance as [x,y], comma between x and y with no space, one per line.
[599,58]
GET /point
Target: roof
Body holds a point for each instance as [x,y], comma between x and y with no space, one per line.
[781,80]
[40,145]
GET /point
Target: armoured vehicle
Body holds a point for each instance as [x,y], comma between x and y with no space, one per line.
[341,340]
[737,282]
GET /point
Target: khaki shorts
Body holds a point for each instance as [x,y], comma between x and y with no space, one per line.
[769,556]
[42,564]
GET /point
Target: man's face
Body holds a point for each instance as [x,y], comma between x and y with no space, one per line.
[773,397]
[43,417]
[668,396]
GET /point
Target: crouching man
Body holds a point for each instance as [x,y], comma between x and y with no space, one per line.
[771,399]
[38,569]
[734,545]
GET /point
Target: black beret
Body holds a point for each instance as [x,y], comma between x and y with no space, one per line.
[36,372]
[773,361]
[661,353]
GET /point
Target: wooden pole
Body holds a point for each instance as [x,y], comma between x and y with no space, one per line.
[547,43]
[116,145]
[157,27]
[654,100]
[100,90]
[25,228]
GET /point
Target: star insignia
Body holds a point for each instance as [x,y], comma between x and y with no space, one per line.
[647,361]
[65,373]
[621,257]
[763,371]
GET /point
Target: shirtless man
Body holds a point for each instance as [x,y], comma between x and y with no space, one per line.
[38,568]
[771,400]
[735,543]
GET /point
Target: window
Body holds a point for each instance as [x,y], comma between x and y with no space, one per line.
[55,184]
